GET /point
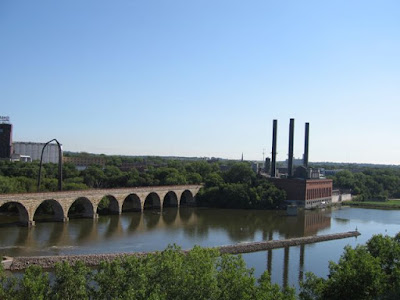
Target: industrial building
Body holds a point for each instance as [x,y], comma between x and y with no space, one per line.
[304,186]
[82,162]
[5,138]
[34,151]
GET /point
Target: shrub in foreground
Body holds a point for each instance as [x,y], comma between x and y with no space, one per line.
[370,271]
[170,274]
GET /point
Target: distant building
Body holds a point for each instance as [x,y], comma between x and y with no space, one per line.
[308,193]
[332,172]
[5,138]
[22,158]
[34,150]
[296,162]
[140,166]
[82,162]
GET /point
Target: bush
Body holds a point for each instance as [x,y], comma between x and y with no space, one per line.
[170,274]
[370,271]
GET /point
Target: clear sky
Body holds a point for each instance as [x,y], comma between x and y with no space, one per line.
[204,77]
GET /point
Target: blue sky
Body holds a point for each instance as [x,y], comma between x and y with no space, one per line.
[204,77]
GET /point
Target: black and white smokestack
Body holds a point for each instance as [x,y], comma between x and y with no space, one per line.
[306,143]
[291,140]
[273,165]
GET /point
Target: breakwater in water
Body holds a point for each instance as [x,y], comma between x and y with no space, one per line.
[48,262]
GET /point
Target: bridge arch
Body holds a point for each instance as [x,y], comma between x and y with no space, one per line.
[81,208]
[152,201]
[131,203]
[49,207]
[187,198]
[171,200]
[108,205]
[23,213]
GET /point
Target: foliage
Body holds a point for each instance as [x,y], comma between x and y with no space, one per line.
[35,284]
[71,282]
[239,187]
[370,183]
[370,271]
[171,274]
[235,187]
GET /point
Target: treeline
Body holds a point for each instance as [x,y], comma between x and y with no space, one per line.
[231,185]
[239,187]
[19,177]
[371,183]
[170,274]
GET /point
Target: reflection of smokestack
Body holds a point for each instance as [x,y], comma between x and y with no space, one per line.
[291,139]
[273,165]
[306,139]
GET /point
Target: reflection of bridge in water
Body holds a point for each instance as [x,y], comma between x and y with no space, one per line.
[56,237]
[196,224]
[119,200]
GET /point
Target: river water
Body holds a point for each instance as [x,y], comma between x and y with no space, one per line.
[151,230]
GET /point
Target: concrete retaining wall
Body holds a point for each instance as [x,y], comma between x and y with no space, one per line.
[346,197]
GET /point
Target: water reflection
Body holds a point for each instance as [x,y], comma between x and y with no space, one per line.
[151,230]
[301,268]
[154,230]
[169,215]
[151,219]
[286,267]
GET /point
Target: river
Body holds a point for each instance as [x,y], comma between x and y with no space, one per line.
[187,227]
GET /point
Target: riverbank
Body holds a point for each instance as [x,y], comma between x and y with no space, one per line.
[391,204]
[48,262]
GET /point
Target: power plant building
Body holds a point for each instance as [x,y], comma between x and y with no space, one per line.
[303,186]
[34,151]
[306,192]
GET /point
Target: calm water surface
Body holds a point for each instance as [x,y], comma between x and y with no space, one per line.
[187,227]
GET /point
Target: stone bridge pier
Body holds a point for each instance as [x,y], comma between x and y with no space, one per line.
[85,203]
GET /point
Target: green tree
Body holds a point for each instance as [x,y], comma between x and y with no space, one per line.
[213,179]
[240,173]
[71,281]
[194,178]
[94,176]
[370,271]
[35,284]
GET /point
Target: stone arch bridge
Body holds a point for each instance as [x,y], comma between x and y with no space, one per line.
[119,200]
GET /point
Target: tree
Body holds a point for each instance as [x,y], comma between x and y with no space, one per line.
[194,178]
[71,281]
[35,284]
[370,271]
[213,179]
[240,173]
[93,176]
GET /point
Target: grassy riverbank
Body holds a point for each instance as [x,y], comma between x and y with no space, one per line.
[390,204]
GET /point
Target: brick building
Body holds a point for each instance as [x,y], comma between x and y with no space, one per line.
[82,162]
[306,192]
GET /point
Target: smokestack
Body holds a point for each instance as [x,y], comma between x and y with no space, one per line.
[273,165]
[291,139]
[306,141]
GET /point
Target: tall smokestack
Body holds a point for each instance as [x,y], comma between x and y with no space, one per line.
[306,141]
[273,165]
[291,139]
